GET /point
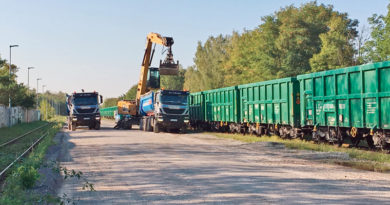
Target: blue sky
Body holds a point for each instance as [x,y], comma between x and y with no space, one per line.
[99,45]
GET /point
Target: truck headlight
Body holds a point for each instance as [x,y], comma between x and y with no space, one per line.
[98,117]
[160,119]
[74,119]
[186,121]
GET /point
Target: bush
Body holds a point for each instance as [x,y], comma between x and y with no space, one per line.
[28,175]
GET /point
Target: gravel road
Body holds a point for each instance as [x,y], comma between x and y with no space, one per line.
[134,167]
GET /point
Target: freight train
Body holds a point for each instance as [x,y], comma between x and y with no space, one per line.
[333,105]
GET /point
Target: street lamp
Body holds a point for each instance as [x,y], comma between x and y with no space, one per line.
[9,94]
[38,79]
[43,91]
[28,76]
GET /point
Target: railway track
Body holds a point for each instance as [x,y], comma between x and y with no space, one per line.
[15,149]
[23,135]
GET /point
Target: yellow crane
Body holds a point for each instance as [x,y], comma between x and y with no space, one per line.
[167,67]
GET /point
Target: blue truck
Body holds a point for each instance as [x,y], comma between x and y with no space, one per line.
[83,110]
[164,110]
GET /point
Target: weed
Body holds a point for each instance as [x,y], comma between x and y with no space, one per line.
[362,159]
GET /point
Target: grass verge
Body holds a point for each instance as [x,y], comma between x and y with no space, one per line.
[361,159]
[8,133]
[22,177]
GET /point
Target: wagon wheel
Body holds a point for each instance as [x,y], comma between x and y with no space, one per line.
[315,137]
[355,138]
[282,133]
[340,138]
[370,142]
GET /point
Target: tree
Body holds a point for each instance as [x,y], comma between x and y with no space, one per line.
[130,94]
[47,111]
[20,95]
[173,82]
[378,47]
[337,49]
[192,80]
[209,60]
[292,41]
[110,102]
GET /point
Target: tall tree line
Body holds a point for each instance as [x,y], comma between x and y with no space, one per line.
[292,41]
[19,93]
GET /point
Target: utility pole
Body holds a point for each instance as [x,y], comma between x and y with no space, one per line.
[28,76]
[28,87]
[46,101]
[38,79]
[9,87]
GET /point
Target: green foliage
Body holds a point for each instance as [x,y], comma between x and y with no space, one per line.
[20,95]
[47,110]
[109,102]
[131,93]
[209,60]
[292,41]
[192,79]
[13,191]
[378,47]
[360,159]
[28,175]
[173,82]
[337,44]
[57,100]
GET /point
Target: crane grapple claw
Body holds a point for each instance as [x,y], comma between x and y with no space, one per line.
[169,68]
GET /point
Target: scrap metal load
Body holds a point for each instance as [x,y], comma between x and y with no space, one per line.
[330,106]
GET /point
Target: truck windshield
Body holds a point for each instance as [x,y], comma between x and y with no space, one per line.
[174,99]
[92,100]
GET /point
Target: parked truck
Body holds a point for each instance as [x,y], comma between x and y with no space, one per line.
[155,108]
[164,109]
[83,110]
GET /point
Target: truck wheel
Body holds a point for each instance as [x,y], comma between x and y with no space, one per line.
[150,128]
[156,128]
[141,124]
[69,125]
[145,122]
[183,130]
[97,126]
[73,126]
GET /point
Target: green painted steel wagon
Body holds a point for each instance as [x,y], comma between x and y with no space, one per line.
[108,112]
[196,106]
[271,106]
[215,109]
[353,101]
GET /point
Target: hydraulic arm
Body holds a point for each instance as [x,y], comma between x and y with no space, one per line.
[167,67]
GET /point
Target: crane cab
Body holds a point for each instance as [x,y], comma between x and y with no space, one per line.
[153,78]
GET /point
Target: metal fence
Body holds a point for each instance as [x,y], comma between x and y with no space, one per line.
[18,115]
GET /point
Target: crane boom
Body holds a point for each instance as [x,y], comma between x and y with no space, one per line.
[168,67]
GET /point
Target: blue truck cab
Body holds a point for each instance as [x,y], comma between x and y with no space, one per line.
[164,109]
[83,110]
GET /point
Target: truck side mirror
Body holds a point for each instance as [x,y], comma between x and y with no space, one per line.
[101,99]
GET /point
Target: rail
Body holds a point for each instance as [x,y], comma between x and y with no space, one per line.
[2,173]
[23,135]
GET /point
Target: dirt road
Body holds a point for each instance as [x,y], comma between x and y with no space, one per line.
[134,167]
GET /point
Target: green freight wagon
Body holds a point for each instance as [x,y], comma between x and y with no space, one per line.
[271,106]
[353,102]
[196,106]
[108,112]
[218,107]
